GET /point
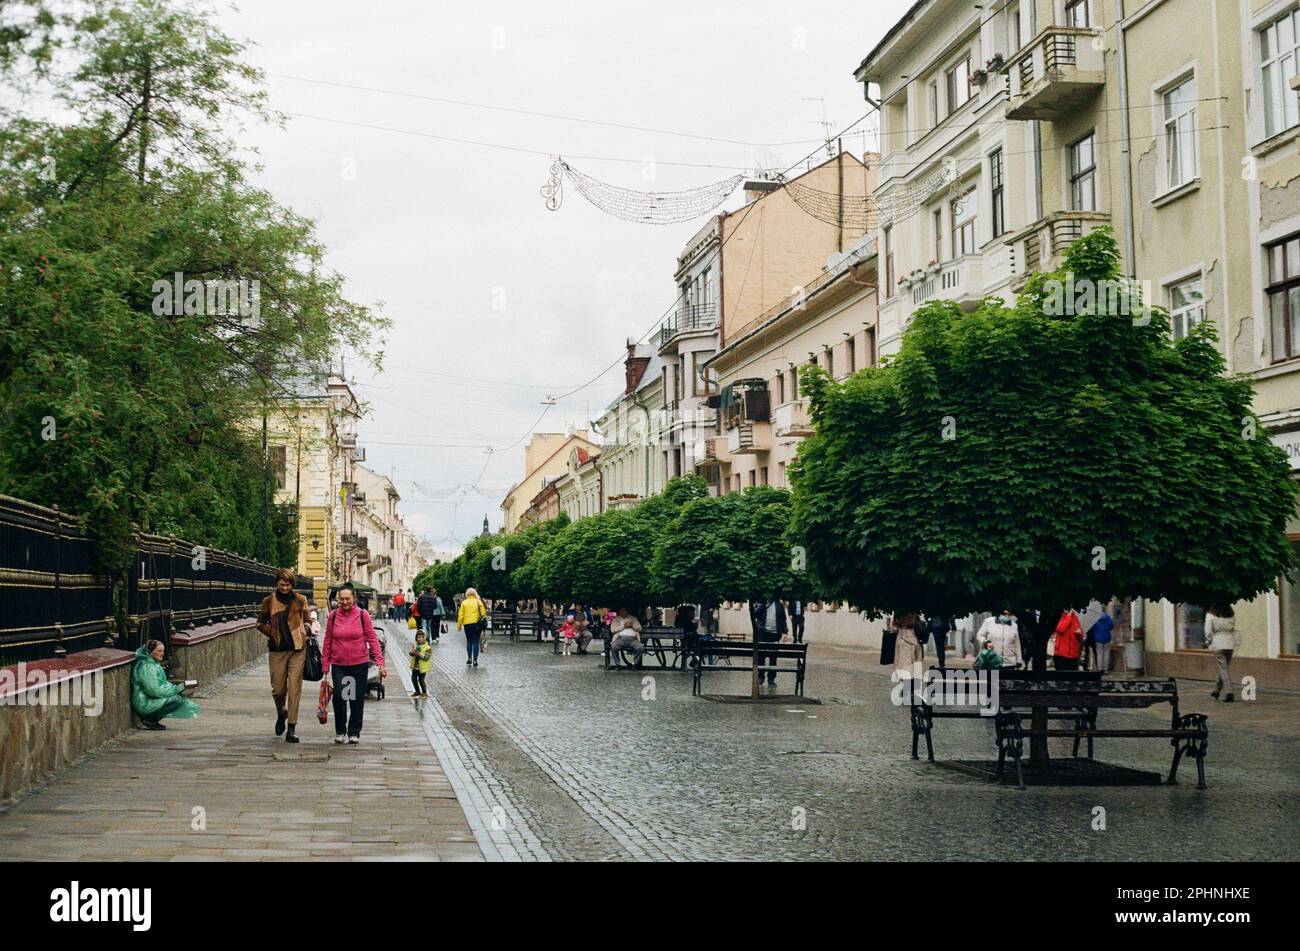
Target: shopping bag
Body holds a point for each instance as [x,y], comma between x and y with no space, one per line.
[887,644]
[312,663]
[410,623]
[322,707]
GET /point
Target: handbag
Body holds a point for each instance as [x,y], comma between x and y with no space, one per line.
[888,640]
[1051,646]
[313,666]
[322,706]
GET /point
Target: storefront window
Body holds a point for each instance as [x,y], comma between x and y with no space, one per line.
[1189,622]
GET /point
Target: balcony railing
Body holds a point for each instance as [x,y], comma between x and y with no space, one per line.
[1041,246]
[960,280]
[747,437]
[687,318]
[1055,72]
[791,419]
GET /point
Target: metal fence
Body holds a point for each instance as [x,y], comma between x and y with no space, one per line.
[52,603]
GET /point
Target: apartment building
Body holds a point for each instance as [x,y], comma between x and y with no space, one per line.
[629,429]
[312,443]
[1011,129]
[580,488]
[545,456]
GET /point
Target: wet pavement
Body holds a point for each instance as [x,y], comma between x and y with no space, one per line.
[622,764]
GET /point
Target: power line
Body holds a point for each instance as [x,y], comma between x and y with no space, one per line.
[508,148]
[541,115]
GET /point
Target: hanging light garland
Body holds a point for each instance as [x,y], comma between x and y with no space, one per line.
[656,208]
[869,212]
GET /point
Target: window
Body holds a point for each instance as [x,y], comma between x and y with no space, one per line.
[871,346]
[1278,55]
[1189,627]
[932,92]
[780,474]
[938,234]
[752,483]
[780,388]
[1083,174]
[1077,14]
[794,383]
[762,476]
[707,285]
[850,357]
[963,213]
[1180,133]
[1284,297]
[830,363]
[997,194]
[1013,27]
[279,465]
[958,82]
[888,235]
[1186,306]
[1289,602]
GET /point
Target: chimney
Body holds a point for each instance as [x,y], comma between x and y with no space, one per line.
[635,367]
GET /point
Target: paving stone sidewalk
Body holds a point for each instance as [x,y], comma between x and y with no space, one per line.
[223,787]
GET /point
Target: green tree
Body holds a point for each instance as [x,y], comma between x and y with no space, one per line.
[116,403]
[1036,459]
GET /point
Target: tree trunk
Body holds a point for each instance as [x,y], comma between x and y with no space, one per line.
[144,122]
[1040,631]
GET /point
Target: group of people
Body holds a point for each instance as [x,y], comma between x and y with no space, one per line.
[1005,641]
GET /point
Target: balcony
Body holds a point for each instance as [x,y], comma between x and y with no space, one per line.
[1041,246]
[1059,69]
[960,280]
[748,437]
[688,318]
[791,419]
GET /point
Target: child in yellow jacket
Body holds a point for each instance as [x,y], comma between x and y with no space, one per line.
[421,654]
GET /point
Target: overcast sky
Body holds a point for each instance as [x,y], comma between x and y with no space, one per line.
[496,301]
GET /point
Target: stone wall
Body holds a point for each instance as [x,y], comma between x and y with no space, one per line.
[39,738]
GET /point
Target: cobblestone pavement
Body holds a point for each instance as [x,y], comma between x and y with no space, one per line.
[224,787]
[603,765]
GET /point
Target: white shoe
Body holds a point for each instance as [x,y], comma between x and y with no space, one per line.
[354,739]
[339,738]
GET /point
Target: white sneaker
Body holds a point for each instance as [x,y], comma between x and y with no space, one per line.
[354,739]
[339,738]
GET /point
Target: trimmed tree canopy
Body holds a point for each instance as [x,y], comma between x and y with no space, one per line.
[1041,456]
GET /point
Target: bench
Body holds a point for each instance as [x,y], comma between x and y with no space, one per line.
[710,655]
[1072,697]
[666,645]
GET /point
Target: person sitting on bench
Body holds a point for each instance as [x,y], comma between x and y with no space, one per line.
[623,636]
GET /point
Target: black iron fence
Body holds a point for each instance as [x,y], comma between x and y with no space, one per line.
[52,602]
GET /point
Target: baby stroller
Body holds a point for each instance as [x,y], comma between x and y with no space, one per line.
[373,680]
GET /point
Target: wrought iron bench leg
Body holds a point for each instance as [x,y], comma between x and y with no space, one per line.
[1010,742]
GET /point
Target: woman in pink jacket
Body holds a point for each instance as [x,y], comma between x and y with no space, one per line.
[350,643]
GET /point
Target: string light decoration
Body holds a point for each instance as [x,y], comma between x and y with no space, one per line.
[871,212]
[655,208]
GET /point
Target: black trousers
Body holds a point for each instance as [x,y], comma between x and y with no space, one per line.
[1065,663]
[767,658]
[349,697]
[418,684]
[796,628]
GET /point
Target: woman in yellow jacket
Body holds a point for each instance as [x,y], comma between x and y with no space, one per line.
[472,618]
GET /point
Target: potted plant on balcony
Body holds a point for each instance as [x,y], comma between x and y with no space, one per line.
[932,267]
[994,64]
[977,77]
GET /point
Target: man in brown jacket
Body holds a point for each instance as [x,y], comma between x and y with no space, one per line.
[283,619]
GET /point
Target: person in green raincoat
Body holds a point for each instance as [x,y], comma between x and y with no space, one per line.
[152,697]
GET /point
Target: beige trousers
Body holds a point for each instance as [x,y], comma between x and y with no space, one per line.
[286,681]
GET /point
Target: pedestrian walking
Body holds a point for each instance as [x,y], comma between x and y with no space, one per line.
[399,607]
[908,652]
[936,628]
[350,646]
[1224,638]
[772,626]
[796,621]
[623,635]
[472,618]
[152,696]
[1000,631]
[1068,640]
[1101,633]
[429,606]
[421,653]
[283,619]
